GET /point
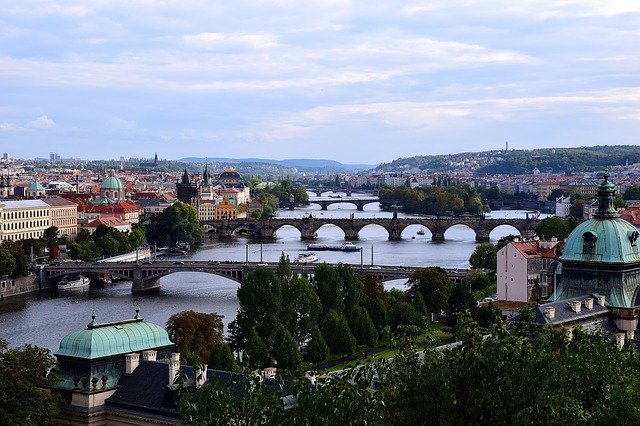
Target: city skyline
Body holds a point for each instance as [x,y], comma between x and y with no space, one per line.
[355,82]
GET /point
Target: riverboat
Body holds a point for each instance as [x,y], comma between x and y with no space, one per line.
[420,231]
[306,258]
[75,281]
[334,247]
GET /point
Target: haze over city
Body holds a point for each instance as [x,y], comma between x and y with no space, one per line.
[353,81]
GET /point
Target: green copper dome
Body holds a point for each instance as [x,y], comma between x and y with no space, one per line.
[111,183]
[611,240]
[116,338]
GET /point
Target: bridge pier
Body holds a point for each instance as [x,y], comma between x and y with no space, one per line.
[360,207]
[395,235]
[437,236]
[142,285]
[482,236]
[351,234]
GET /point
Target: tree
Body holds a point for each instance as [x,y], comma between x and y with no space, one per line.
[301,308]
[483,257]
[404,314]
[260,298]
[504,240]
[179,222]
[137,237]
[477,280]
[337,335]
[50,235]
[221,358]
[434,285]
[460,301]
[328,286]
[23,372]
[317,349]
[7,262]
[373,287]
[362,327]
[195,331]
[256,351]
[285,350]
[553,227]
[632,193]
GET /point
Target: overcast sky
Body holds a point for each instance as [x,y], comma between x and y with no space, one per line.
[353,81]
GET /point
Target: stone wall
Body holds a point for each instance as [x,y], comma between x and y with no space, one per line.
[13,286]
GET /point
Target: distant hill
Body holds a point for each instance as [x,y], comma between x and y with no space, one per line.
[302,165]
[522,162]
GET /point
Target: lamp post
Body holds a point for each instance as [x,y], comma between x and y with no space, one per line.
[246,254]
[371,254]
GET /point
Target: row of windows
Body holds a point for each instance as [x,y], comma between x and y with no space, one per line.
[22,236]
[25,214]
[25,225]
[62,222]
[65,212]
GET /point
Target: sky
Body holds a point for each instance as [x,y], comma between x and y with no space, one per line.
[352,81]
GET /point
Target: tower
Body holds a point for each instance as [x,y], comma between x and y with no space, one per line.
[187,191]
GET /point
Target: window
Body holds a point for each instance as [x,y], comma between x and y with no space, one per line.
[589,242]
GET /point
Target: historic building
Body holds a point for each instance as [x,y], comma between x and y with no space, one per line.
[601,257]
[23,219]
[64,216]
[525,270]
[187,190]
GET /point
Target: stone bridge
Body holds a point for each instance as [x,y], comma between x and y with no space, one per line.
[146,275]
[358,202]
[309,226]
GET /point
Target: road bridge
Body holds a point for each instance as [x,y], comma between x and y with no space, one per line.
[146,275]
[309,226]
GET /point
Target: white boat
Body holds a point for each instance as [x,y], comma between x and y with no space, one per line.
[306,258]
[75,281]
[420,231]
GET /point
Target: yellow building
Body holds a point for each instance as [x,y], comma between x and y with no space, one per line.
[64,216]
[226,210]
[24,219]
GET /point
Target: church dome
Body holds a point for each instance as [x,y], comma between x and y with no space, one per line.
[115,338]
[111,183]
[611,240]
[606,238]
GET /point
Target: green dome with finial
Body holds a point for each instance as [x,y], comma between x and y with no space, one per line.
[113,338]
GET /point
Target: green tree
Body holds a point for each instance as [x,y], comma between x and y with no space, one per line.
[260,299]
[179,222]
[22,261]
[256,352]
[460,302]
[137,237]
[50,235]
[504,240]
[404,314]
[317,349]
[362,327]
[477,280]
[195,331]
[434,285]
[484,257]
[300,309]
[285,350]
[23,374]
[553,227]
[221,358]
[632,193]
[7,262]
[337,335]
[329,288]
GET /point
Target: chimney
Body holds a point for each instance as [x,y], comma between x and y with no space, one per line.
[550,312]
[149,355]
[174,367]
[131,362]
[201,375]
[588,303]
[601,300]
[630,334]
[576,306]
[620,340]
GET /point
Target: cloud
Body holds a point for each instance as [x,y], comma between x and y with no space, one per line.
[43,122]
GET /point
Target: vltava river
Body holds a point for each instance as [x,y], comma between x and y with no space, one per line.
[44,318]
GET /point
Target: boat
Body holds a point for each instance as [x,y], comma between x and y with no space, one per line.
[306,258]
[420,231]
[334,247]
[73,281]
[180,247]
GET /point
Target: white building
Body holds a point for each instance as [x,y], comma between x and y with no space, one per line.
[23,219]
[525,270]
[563,206]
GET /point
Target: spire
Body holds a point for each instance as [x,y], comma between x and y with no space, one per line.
[185,177]
[606,198]
[93,322]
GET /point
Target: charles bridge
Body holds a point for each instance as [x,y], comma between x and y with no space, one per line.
[146,275]
[309,226]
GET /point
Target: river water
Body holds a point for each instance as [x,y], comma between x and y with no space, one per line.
[44,318]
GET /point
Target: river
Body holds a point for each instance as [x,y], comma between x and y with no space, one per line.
[44,318]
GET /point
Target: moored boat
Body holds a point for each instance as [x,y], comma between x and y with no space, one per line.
[74,281]
[420,231]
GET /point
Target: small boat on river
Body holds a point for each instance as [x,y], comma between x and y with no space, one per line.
[334,247]
[305,258]
[73,281]
[420,231]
